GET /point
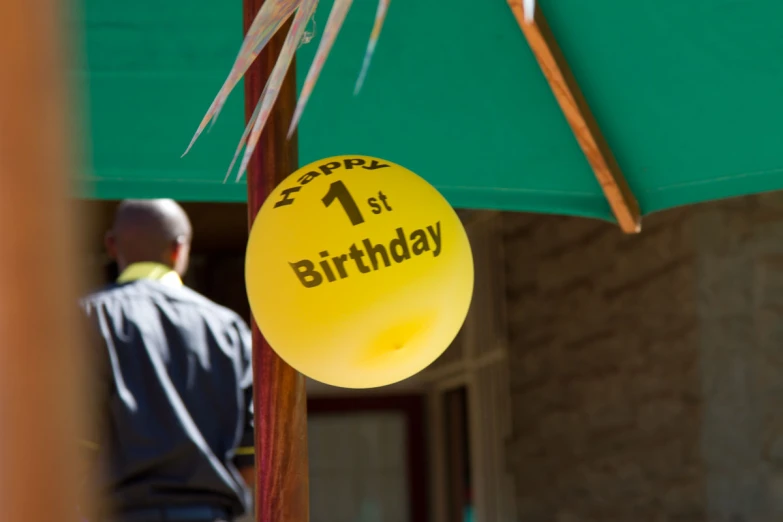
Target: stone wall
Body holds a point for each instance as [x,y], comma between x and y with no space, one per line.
[741,311]
[647,371]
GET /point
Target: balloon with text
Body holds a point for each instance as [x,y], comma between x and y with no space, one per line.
[359,273]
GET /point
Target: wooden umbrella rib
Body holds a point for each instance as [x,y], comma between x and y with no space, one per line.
[577,113]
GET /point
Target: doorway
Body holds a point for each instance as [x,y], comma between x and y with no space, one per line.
[367,459]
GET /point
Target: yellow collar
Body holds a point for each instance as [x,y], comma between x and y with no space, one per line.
[154,271]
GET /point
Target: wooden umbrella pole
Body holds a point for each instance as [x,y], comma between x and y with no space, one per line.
[39,413]
[282,491]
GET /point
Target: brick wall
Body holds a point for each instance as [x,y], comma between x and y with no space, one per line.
[647,372]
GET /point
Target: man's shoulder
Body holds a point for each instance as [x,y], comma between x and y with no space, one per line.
[140,289]
[188,294]
[98,296]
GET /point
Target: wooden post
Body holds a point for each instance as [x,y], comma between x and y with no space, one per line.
[38,309]
[282,490]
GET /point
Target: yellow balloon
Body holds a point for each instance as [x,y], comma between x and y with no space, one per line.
[359,273]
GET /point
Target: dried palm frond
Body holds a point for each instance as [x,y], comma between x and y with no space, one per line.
[243,139]
[272,15]
[333,25]
[380,16]
[272,88]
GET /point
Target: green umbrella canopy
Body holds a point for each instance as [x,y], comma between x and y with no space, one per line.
[687,95]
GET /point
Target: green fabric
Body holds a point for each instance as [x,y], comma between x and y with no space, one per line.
[686,93]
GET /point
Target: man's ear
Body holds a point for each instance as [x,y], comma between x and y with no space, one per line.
[180,251]
[111,245]
[175,252]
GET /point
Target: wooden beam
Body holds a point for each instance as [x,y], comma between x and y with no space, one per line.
[577,112]
[282,483]
[40,353]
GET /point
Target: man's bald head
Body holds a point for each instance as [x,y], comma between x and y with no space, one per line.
[150,230]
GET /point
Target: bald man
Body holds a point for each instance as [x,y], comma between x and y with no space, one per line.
[174,380]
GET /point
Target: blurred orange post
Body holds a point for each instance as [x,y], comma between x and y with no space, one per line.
[38,365]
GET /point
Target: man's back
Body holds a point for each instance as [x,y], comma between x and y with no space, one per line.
[176,372]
